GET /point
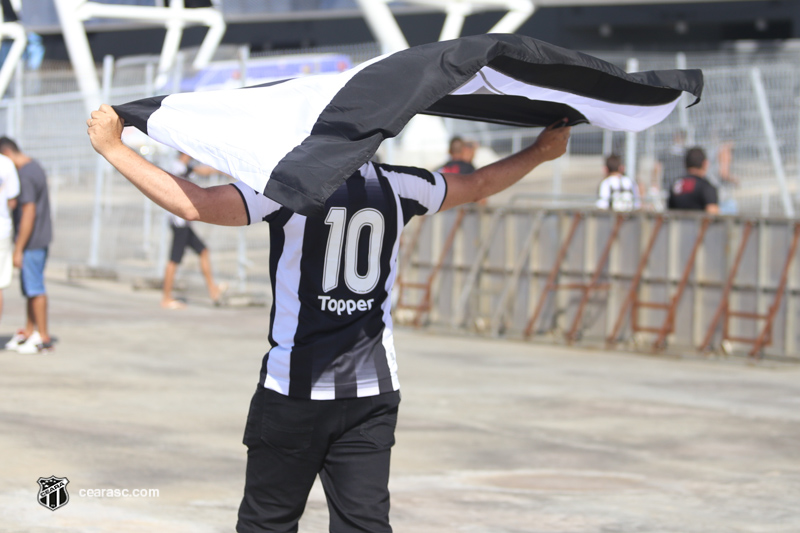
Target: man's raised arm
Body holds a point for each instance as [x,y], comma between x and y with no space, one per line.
[491,179]
[220,205]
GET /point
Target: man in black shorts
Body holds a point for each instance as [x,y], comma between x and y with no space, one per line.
[183,236]
[694,191]
[327,398]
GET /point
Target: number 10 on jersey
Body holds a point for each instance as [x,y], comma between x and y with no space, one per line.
[344,236]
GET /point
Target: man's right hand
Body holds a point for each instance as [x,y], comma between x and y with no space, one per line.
[105,129]
[552,141]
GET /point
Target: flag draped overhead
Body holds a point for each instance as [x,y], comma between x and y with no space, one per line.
[298,140]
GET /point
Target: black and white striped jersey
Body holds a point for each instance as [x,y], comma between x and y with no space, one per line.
[332,276]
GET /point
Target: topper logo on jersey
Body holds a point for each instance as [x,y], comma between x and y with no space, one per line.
[340,306]
[343,239]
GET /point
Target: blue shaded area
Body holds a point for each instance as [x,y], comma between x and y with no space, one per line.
[227,75]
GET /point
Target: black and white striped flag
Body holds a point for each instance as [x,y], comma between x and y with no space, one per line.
[298,140]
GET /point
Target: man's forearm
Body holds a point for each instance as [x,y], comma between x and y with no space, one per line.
[172,193]
[500,175]
[504,173]
[220,205]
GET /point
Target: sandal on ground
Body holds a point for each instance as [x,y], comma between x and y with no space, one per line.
[222,288]
[173,304]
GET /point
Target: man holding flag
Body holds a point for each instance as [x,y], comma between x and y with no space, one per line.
[328,394]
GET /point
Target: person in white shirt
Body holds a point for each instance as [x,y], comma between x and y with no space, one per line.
[617,191]
[9,190]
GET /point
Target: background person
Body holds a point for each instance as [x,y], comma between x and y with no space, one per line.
[183,236]
[694,191]
[34,234]
[328,396]
[720,175]
[462,153]
[617,191]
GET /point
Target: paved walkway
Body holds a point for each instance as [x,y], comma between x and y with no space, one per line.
[494,437]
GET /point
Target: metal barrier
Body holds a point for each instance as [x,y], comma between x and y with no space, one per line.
[681,282]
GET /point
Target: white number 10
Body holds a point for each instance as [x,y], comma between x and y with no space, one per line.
[336,241]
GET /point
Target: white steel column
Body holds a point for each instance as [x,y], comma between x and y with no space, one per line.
[383,25]
[772,139]
[100,174]
[457,13]
[80,54]
[630,137]
[518,12]
[16,32]
[172,43]
[457,10]
[72,13]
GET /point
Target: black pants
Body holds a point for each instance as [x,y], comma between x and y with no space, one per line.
[347,442]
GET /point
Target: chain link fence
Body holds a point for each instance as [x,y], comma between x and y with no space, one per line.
[102,220]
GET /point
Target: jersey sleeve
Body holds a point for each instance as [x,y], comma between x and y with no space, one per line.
[420,191]
[259,208]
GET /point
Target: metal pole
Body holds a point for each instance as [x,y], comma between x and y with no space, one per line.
[772,139]
[244,59]
[558,172]
[172,41]
[630,137]
[241,237]
[9,117]
[19,94]
[147,206]
[161,263]
[518,12]
[683,112]
[80,54]
[16,32]
[454,20]
[100,171]
[241,262]
[516,142]
[797,158]
[608,142]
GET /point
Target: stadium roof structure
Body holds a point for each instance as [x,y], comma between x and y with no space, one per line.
[385,28]
[380,16]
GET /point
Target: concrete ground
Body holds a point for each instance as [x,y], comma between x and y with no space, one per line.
[494,436]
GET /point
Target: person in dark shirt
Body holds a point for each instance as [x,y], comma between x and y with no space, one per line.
[34,233]
[461,154]
[694,191]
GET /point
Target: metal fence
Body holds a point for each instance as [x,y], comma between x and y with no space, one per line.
[681,282]
[101,220]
